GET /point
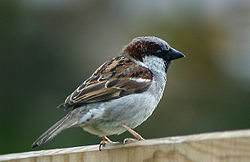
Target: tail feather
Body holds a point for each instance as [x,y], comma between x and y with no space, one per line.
[61,125]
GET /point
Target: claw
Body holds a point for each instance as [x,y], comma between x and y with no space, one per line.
[101,145]
[104,142]
[129,140]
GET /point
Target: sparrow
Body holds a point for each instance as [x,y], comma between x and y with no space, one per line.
[121,94]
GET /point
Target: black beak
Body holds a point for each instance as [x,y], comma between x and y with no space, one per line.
[173,54]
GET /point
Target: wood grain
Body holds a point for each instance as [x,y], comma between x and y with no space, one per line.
[220,146]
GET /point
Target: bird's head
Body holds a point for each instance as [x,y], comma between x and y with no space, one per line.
[140,47]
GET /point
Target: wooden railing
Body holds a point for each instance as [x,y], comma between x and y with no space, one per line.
[220,146]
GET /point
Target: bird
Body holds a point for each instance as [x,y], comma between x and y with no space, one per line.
[121,94]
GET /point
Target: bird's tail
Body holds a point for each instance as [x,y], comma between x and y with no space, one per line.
[61,125]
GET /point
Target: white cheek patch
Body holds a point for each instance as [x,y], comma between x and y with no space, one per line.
[140,80]
[154,63]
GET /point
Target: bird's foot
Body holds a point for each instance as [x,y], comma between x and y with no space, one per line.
[129,140]
[106,141]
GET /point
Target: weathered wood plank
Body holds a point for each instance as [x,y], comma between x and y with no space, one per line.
[220,146]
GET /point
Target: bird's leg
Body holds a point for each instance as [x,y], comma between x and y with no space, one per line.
[137,136]
[134,133]
[105,140]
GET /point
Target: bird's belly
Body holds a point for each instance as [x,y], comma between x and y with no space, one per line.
[130,111]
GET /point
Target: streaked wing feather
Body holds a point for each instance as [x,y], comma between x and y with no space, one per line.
[111,80]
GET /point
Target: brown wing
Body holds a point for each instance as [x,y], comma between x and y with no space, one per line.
[114,79]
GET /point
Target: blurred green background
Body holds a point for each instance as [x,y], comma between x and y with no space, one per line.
[48,48]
